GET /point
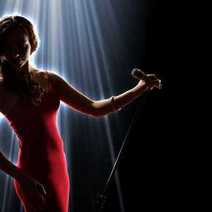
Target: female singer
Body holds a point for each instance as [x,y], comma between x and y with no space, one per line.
[29,99]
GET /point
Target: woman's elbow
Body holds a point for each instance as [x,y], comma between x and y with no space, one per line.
[97,113]
[91,110]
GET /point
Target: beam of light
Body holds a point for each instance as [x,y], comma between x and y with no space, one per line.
[1,117]
[74,43]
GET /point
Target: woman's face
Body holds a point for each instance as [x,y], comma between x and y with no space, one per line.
[17,49]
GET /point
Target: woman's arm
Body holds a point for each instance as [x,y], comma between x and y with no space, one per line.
[80,102]
[9,168]
[36,193]
[116,103]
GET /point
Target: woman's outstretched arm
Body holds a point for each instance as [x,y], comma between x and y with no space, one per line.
[96,108]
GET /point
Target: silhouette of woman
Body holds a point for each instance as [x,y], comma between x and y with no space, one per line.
[29,99]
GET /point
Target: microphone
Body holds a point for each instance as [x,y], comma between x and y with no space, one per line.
[2,59]
[138,74]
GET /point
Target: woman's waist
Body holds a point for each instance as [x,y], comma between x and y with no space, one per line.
[36,130]
[42,142]
[38,160]
[41,150]
[43,167]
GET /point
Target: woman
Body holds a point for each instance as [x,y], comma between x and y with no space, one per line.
[29,99]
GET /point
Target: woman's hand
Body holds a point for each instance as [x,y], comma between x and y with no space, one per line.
[150,81]
[35,193]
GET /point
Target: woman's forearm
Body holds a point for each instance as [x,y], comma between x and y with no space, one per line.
[9,168]
[115,103]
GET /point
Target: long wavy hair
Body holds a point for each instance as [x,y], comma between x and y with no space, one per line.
[23,85]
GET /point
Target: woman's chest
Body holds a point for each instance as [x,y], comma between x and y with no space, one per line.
[13,105]
[7,100]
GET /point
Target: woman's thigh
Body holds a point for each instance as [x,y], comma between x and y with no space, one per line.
[57,198]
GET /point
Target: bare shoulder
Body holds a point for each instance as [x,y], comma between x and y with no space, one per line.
[61,85]
[54,76]
[2,94]
[42,77]
[56,79]
[1,77]
[1,85]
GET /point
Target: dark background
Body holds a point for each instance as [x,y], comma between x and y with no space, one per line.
[148,169]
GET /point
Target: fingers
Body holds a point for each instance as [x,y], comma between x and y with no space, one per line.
[37,198]
[157,84]
[43,195]
[37,202]
[41,189]
[153,82]
[36,195]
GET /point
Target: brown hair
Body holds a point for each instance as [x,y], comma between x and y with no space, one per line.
[14,22]
[24,85]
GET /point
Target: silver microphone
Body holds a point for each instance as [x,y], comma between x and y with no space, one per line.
[138,74]
[3,59]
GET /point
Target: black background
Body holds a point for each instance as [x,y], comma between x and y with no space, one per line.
[148,169]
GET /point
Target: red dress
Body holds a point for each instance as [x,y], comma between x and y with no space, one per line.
[41,153]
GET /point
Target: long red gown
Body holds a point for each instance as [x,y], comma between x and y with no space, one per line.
[41,151]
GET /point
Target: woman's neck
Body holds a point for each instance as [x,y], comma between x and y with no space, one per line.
[27,69]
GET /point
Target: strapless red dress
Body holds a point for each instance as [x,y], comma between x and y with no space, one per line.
[41,150]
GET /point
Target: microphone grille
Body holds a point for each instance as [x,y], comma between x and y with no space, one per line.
[138,74]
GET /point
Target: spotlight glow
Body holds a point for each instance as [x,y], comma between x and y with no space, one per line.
[73,41]
[1,116]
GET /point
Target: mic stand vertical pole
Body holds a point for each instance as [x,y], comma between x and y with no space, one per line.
[102,197]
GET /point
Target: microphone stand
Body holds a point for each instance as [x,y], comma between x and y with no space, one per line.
[102,197]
